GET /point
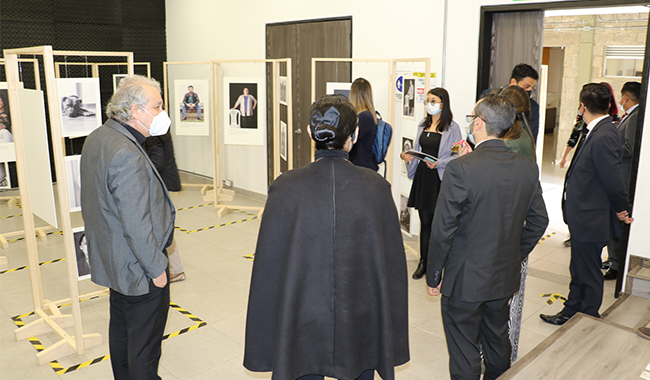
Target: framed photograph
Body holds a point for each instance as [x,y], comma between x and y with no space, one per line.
[244,111]
[80,104]
[408,99]
[283,90]
[7,147]
[407,144]
[81,250]
[116,80]
[339,88]
[283,140]
[5,180]
[191,112]
[404,214]
[73,173]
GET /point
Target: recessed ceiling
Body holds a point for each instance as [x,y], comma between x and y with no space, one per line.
[597,11]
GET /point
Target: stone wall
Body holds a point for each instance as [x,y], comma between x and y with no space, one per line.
[584,39]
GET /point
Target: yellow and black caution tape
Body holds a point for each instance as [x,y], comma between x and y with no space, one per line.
[545,237]
[553,297]
[191,207]
[250,257]
[10,216]
[27,266]
[60,370]
[23,238]
[217,226]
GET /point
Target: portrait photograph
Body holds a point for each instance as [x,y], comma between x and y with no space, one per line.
[283,90]
[81,251]
[407,144]
[80,106]
[74,181]
[116,80]
[339,88]
[242,97]
[408,99]
[191,112]
[404,214]
[244,110]
[283,140]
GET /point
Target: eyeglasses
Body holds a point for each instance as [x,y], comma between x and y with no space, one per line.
[470,118]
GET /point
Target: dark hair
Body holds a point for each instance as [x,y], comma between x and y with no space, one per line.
[498,113]
[190,86]
[329,136]
[613,106]
[522,71]
[596,98]
[521,101]
[632,90]
[445,115]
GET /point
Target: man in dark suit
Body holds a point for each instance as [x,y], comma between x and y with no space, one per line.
[489,217]
[594,199]
[129,221]
[626,126]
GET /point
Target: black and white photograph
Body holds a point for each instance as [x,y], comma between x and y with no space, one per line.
[283,90]
[283,140]
[81,250]
[116,80]
[407,144]
[404,214]
[80,106]
[191,114]
[244,110]
[408,103]
[5,180]
[74,181]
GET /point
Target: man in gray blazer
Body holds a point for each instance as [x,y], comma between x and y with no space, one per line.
[129,221]
[626,127]
[489,216]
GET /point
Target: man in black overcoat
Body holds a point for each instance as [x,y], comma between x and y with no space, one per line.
[489,217]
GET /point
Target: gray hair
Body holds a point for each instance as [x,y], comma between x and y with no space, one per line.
[130,91]
[498,113]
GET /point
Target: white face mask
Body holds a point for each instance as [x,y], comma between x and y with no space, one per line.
[434,108]
[159,125]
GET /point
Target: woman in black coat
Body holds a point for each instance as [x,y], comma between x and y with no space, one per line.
[328,294]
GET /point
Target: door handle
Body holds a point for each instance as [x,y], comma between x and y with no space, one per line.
[298,131]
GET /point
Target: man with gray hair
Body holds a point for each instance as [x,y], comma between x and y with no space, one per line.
[489,216]
[129,221]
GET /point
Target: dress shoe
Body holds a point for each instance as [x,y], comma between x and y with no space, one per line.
[567,242]
[605,265]
[610,274]
[420,271]
[557,319]
[643,332]
[177,277]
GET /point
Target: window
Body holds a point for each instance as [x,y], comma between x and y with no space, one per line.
[624,61]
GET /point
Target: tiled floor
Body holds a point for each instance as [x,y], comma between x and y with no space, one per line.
[216,291]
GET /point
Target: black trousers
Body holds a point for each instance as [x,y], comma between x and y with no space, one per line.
[472,327]
[614,247]
[135,333]
[587,283]
[366,375]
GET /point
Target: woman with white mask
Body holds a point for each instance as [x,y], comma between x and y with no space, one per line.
[436,134]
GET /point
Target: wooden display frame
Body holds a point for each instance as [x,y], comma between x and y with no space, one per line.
[96,65]
[50,319]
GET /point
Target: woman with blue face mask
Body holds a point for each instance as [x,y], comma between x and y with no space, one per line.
[436,135]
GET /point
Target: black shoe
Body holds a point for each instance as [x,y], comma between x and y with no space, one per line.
[557,319]
[605,265]
[567,242]
[420,271]
[611,274]
[644,332]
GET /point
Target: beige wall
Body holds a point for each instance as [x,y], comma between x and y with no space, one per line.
[583,65]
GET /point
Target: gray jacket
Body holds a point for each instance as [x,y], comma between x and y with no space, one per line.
[449,137]
[127,211]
